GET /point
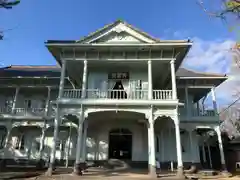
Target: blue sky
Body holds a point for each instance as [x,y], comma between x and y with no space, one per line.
[34,22]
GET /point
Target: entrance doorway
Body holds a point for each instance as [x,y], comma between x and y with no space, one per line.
[120,144]
[118,91]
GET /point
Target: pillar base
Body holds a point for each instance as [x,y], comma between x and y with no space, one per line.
[180,173]
[225,173]
[193,169]
[50,169]
[78,169]
[40,164]
[152,171]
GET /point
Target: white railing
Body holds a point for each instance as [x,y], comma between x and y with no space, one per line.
[72,93]
[29,111]
[162,94]
[5,110]
[196,113]
[118,94]
[207,113]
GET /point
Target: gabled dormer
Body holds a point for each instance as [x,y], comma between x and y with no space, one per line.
[118,32]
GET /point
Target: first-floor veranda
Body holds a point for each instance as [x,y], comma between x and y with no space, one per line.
[117,135]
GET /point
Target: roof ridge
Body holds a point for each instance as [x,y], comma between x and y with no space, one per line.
[199,72]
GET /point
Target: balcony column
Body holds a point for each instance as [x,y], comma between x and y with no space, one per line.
[218,131]
[47,101]
[84,79]
[55,139]
[62,78]
[79,162]
[9,129]
[214,100]
[42,140]
[15,100]
[151,145]
[173,75]
[187,102]
[150,90]
[84,148]
[180,172]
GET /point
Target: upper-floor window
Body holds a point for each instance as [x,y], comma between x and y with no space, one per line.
[8,102]
[28,103]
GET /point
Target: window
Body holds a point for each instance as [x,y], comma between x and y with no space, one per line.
[157,143]
[60,145]
[28,103]
[20,142]
[2,140]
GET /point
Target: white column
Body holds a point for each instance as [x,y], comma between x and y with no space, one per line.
[78,161]
[47,101]
[62,79]
[209,155]
[169,144]
[55,139]
[84,141]
[151,144]
[162,145]
[187,102]
[150,90]
[42,142]
[15,100]
[178,147]
[9,129]
[173,75]
[214,100]
[191,146]
[217,129]
[84,79]
[69,144]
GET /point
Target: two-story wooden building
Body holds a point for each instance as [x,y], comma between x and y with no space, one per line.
[117,93]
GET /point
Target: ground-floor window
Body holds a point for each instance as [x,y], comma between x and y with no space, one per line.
[20,142]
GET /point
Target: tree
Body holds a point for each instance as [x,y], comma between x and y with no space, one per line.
[8,4]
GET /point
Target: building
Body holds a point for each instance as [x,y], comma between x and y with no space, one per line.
[118,93]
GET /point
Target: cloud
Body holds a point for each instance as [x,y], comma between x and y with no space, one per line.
[216,57]
[210,56]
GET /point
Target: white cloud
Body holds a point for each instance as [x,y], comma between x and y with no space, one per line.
[210,56]
[216,57]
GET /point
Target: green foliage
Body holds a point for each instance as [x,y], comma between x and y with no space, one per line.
[8,4]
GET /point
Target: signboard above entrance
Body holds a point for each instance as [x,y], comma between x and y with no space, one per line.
[118,75]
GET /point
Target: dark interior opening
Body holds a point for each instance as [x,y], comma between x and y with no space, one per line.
[118,91]
[120,145]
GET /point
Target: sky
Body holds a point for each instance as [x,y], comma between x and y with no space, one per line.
[33,22]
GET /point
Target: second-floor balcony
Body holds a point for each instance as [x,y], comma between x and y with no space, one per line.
[118,94]
[38,112]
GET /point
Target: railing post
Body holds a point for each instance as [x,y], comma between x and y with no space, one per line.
[214,100]
[47,101]
[150,93]
[15,100]
[173,75]
[186,101]
[61,85]
[84,79]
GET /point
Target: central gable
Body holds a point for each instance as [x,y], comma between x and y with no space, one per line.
[118,32]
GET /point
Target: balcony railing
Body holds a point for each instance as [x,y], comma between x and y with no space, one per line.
[29,111]
[196,113]
[5,110]
[118,94]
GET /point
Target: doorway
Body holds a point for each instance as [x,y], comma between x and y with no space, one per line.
[120,144]
[118,91]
